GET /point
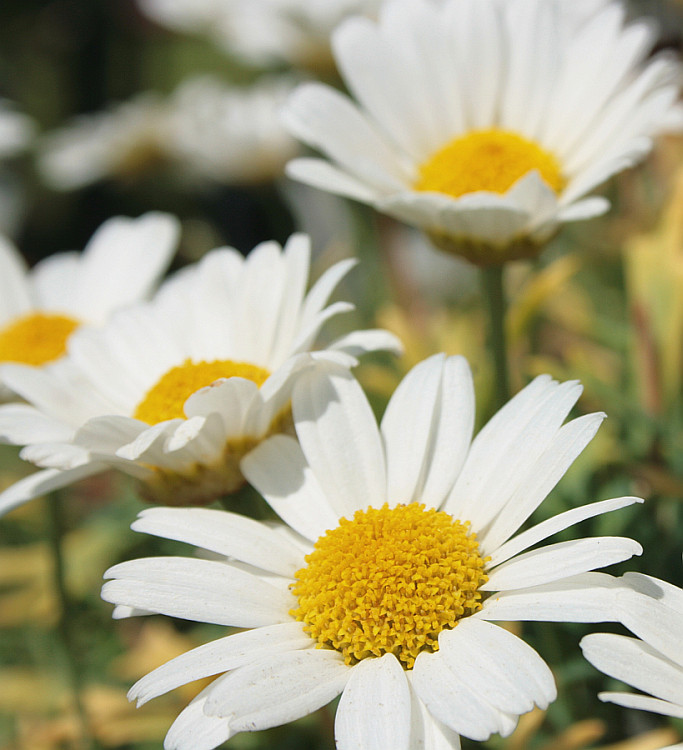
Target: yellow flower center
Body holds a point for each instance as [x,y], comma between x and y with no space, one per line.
[36,339]
[389,581]
[491,160]
[165,400]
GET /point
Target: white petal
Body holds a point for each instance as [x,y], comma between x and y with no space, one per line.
[21,424]
[589,597]
[218,656]
[230,398]
[556,524]
[43,482]
[325,176]
[124,259]
[330,122]
[452,701]
[56,285]
[505,424]
[562,560]
[201,590]
[636,663]
[374,710]
[663,591]
[644,703]
[501,457]
[225,533]
[654,622]
[584,209]
[296,261]
[340,439]
[427,428]
[427,732]
[453,433]
[194,730]
[542,476]
[278,689]
[498,665]
[15,295]
[277,468]
[358,343]
[407,428]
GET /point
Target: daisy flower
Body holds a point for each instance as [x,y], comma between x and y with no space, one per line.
[397,554]
[204,129]
[42,307]
[230,134]
[123,141]
[485,123]
[653,662]
[176,391]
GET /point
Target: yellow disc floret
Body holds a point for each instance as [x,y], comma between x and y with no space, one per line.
[36,339]
[389,581]
[165,400]
[491,160]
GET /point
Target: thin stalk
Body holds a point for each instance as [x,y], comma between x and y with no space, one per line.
[494,301]
[65,626]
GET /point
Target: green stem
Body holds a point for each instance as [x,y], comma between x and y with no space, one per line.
[494,301]
[67,616]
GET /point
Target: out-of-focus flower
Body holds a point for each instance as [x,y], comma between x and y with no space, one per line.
[263,31]
[204,130]
[17,130]
[121,142]
[373,590]
[42,307]
[653,662]
[230,134]
[177,391]
[475,122]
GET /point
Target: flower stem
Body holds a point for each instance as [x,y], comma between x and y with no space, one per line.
[66,618]
[494,301]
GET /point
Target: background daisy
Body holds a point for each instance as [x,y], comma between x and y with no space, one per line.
[397,555]
[177,391]
[40,308]
[474,119]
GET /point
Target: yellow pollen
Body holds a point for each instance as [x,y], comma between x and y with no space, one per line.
[389,581]
[165,400]
[491,160]
[36,339]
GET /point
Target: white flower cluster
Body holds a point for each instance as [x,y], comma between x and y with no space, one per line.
[205,130]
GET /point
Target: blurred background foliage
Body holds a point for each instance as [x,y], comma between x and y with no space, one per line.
[604,304]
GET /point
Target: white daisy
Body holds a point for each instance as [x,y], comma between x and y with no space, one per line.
[175,392]
[485,123]
[230,134]
[204,129]
[40,308]
[653,662]
[122,141]
[397,555]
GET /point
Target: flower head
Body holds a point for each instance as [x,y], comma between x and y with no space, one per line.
[397,553]
[475,119]
[176,391]
[653,662]
[41,308]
